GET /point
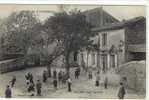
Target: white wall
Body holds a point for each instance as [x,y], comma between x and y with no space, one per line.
[113,38]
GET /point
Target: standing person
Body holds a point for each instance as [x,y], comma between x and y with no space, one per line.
[76,74]
[38,87]
[90,74]
[13,81]
[54,74]
[31,88]
[121,92]
[60,76]
[97,79]
[69,84]
[8,92]
[106,82]
[31,77]
[44,76]
[63,78]
[27,76]
[79,70]
[55,83]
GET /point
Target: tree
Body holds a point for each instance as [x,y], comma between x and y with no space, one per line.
[21,28]
[71,30]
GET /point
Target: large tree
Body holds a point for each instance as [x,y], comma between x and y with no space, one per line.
[21,28]
[71,30]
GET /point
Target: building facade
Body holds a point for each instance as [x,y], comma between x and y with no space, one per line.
[117,43]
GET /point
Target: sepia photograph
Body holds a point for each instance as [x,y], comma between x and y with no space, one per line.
[72,51]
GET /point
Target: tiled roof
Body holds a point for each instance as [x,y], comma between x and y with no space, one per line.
[137,48]
[118,25]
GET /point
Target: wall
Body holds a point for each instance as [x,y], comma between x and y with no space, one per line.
[113,38]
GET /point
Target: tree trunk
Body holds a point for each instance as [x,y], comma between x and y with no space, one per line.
[49,70]
[67,64]
[87,60]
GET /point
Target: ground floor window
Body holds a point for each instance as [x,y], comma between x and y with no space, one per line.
[112,61]
[104,63]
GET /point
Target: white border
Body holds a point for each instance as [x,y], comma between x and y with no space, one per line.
[101,2]
[94,2]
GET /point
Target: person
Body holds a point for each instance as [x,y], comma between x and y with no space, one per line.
[97,79]
[27,76]
[13,81]
[69,84]
[55,83]
[121,92]
[106,82]
[44,76]
[60,76]
[38,87]
[76,74]
[90,74]
[54,74]
[63,78]
[8,92]
[31,77]
[31,87]
[78,71]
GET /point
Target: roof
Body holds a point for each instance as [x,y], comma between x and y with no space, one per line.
[119,25]
[137,48]
[98,16]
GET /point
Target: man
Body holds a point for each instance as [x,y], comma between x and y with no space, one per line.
[90,74]
[106,82]
[60,76]
[38,87]
[55,83]
[97,79]
[44,76]
[8,92]
[121,92]
[13,81]
[76,74]
[69,84]
[31,78]
[54,74]
[79,70]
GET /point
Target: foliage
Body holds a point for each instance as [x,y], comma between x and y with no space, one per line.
[71,30]
[21,28]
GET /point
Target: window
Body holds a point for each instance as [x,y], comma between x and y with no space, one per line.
[104,39]
[75,56]
[93,59]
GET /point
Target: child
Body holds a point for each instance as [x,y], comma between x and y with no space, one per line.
[121,92]
[8,92]
[38,87]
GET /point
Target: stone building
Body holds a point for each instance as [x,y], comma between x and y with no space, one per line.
[118,43]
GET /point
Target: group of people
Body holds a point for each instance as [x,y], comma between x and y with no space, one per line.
[122,88]
[59,77]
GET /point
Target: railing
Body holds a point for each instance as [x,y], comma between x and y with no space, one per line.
[11,65]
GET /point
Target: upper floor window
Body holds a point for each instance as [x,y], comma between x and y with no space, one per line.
[93,59]
[104,39]
[75,56]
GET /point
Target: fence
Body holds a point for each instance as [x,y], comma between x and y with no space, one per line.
[11,65]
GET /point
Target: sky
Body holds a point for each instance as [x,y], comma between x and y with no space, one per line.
[119,12]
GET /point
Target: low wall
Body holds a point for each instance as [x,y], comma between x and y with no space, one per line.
[135,72]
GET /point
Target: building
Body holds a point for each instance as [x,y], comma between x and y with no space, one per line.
[97,17]
[118,43]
